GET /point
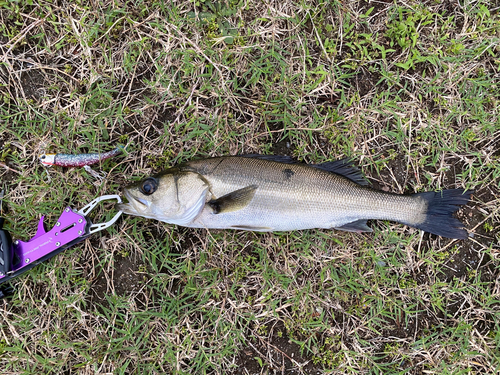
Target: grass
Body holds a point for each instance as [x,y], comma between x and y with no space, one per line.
[409,90]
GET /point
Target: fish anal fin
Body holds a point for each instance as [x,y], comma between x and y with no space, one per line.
[344,167]
[251,228]
[357,226]
[234,201]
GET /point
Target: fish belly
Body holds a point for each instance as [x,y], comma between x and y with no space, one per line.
[263,214]
[299,197]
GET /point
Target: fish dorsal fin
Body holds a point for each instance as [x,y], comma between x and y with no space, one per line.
[234,201]
[357,226]
[346,168]
[277,158]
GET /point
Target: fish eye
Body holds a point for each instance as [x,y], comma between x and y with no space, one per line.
[149,186]
[42,157]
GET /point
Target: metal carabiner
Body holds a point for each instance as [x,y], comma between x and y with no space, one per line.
[89,207]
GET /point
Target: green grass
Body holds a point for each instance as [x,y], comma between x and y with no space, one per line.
[409,90]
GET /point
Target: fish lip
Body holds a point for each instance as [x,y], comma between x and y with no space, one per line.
[135,203]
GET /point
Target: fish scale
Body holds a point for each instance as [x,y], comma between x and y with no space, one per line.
[314,198]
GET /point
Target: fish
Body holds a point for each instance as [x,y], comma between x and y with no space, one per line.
[268,193]
[78,160]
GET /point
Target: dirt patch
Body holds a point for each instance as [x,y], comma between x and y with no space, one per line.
[33,83]
[366,81]
[328,100]
[470,256]
[392,177]
[9,174]
[164,116]
[283,147]
[187,239]
[125,278]
[276,354]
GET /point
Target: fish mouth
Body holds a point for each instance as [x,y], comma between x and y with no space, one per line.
[135,204]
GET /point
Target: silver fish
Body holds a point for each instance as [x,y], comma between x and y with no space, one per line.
[269,193]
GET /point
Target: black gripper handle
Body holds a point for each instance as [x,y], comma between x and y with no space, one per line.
[6,250]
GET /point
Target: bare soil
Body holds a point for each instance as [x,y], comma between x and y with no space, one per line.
[278,350]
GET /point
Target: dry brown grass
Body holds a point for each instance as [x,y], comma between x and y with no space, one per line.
[316,80]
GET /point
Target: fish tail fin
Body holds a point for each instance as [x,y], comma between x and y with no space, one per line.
[440,207]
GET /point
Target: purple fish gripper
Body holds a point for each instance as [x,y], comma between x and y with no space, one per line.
[71,228]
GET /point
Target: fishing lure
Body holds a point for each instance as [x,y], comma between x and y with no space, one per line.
[78,160]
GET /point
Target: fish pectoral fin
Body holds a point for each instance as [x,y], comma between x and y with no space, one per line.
[234,201]
[357,226]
